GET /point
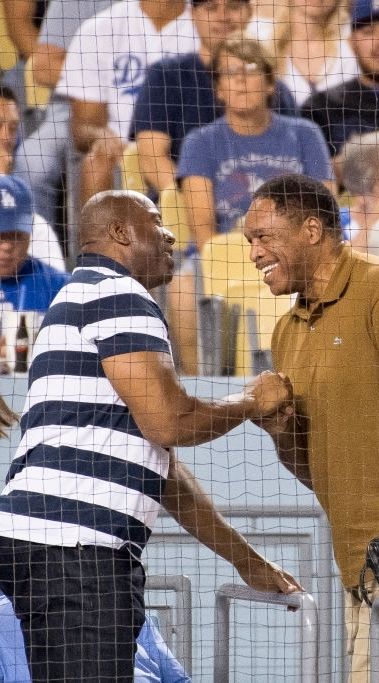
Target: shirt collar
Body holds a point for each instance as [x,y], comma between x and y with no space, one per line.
[99,261]
[334,290]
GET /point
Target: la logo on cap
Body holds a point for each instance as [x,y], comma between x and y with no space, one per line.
[7,200]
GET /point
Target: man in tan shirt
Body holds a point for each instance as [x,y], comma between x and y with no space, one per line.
[328,345]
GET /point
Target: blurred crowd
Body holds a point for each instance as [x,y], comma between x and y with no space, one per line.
[196,103]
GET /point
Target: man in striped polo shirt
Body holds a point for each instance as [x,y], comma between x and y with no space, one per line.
[94,464]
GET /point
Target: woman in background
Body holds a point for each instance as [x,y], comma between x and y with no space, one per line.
[222,164]
[314,52]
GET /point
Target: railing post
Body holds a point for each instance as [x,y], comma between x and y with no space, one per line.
[309,622]
[181,585]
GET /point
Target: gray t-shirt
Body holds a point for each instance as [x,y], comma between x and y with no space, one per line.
[64,17]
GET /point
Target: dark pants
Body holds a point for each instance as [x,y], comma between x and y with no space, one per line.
[80,608]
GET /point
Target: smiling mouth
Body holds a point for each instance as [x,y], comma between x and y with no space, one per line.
[268,270]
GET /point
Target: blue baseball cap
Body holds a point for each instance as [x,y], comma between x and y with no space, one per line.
[16,206]
[364,12]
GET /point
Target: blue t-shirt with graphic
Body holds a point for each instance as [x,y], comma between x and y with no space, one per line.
[238,164]
[178,95]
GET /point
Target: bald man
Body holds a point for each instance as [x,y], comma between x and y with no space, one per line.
[95,462]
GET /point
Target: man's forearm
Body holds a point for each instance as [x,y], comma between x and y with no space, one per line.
[158,171]
[48,60]
[19,18]
[95,176]
[188,503]
[194,510]
[86,133]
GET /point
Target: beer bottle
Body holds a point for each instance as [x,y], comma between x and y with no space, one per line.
[22,346]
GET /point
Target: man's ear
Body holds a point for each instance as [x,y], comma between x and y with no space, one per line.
[314,229]
[119,232]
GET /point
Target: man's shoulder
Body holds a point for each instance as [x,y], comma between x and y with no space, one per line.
[365,268]
[105,22]
[174,68]
[333,97]
[102,284]
[118,10]
[300,126]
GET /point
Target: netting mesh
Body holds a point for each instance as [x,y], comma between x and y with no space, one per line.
[132,325]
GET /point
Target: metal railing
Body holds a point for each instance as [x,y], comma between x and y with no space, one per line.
[309,627]
[182,623]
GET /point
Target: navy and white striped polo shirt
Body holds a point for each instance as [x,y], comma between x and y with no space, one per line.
[83,472]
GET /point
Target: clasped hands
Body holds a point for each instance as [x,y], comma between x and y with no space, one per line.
[272,405]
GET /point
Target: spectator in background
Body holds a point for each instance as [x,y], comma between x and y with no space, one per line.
[23,18]
[352,107]
[313,51]
[9,128]
[103,77]
[43,157]
[222,164]
[154,663]
[43,241]
[178,94]
[26,282]
[360,177]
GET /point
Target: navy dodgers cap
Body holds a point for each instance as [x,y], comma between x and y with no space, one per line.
[364,12]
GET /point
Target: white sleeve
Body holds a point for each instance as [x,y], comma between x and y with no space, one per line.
[44,244]
[86,68]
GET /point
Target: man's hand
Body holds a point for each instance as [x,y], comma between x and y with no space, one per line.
[108,149]
[271,392]
[263,575]
[279,421]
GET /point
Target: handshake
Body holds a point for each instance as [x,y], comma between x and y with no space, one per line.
[268,401]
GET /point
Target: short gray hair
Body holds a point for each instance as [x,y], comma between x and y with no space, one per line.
[360,163]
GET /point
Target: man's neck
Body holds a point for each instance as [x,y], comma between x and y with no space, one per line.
[323,273]
[305,32]
[162,12]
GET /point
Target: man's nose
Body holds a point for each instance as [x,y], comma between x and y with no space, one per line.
[255,252]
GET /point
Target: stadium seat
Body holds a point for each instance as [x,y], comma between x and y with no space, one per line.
[131,175]
[237,311]
[225,261]
[174,216]
[259,312]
